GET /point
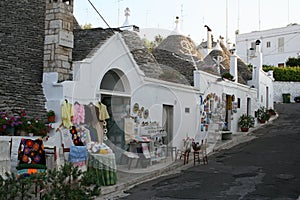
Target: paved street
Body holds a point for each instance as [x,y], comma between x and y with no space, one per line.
[265,168]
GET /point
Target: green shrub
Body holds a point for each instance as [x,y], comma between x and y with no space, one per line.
[284,74]
[68,182]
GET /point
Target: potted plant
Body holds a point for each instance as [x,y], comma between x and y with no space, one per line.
[263,115]
[37,127]
[51,116]
[272,111]
[246,122]
[227,76]
[9,123]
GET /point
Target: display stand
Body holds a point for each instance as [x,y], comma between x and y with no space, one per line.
[105,168]
[157,146]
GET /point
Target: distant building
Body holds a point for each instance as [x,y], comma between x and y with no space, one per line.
[277,45]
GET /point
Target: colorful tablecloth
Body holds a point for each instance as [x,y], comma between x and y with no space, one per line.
[105,168]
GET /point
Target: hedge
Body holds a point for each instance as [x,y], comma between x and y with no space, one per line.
[284,74]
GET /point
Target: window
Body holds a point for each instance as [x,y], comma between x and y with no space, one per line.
[239,103]
[281,45]
[187,110]
[268,44]
[280,64]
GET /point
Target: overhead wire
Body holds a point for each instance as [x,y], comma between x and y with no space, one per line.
[100,16]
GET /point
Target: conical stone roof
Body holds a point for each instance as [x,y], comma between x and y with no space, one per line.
[223,58]
[179,52]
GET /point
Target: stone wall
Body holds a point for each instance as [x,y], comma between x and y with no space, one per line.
[59,24]
[286,87]
[22,25]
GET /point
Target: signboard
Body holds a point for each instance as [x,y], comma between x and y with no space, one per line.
[65,39]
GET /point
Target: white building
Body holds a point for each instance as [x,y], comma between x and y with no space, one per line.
[261,80]
[120,71]
[174,88]
[277,44]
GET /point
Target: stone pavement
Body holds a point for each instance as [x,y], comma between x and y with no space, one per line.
[130,178]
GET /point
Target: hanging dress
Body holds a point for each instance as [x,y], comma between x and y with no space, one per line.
[66,114]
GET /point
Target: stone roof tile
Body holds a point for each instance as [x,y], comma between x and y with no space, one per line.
[87,41]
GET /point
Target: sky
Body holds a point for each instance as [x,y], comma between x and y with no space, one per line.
[224,17]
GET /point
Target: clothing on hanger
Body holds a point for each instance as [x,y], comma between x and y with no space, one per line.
[79,113]
[88,113]
[103,114]
[66,114]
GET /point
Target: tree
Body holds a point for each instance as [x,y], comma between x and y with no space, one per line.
[86,26]
[293,62]
[152,44]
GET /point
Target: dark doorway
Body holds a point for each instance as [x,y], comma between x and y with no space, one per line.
[167,121]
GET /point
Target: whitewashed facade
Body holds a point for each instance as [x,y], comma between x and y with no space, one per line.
[222,99]
[261,80]
[244,99]
[152,94]
[277,45]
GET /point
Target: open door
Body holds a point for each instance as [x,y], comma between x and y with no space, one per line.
[167,123]
[228,111]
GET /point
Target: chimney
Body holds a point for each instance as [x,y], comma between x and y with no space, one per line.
[257,60]
[233,65]
[209,38]
[197,80]
[58,44]
[176,30]
[258,47]
[257,66]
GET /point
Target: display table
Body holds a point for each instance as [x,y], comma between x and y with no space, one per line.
[105,168]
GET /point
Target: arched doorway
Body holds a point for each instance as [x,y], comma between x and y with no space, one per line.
[115,93]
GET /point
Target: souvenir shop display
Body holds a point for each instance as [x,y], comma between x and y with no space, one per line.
[83,132]
[144,137]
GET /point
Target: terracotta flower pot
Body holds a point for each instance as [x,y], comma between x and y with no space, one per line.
[51,119]
[244,129]
[262,121]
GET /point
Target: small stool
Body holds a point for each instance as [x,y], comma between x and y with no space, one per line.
[173,151]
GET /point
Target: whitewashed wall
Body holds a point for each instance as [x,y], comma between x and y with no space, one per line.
[210,83]
[286,87]
[271,55]
[153,95]
[89,73]
[265,81]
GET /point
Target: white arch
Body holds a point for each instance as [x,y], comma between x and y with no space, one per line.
[121,85]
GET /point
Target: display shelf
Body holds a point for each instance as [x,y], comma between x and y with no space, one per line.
[158,150]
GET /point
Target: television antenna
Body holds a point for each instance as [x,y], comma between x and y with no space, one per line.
[119,11]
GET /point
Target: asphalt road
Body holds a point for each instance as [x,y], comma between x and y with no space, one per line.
[267,167]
